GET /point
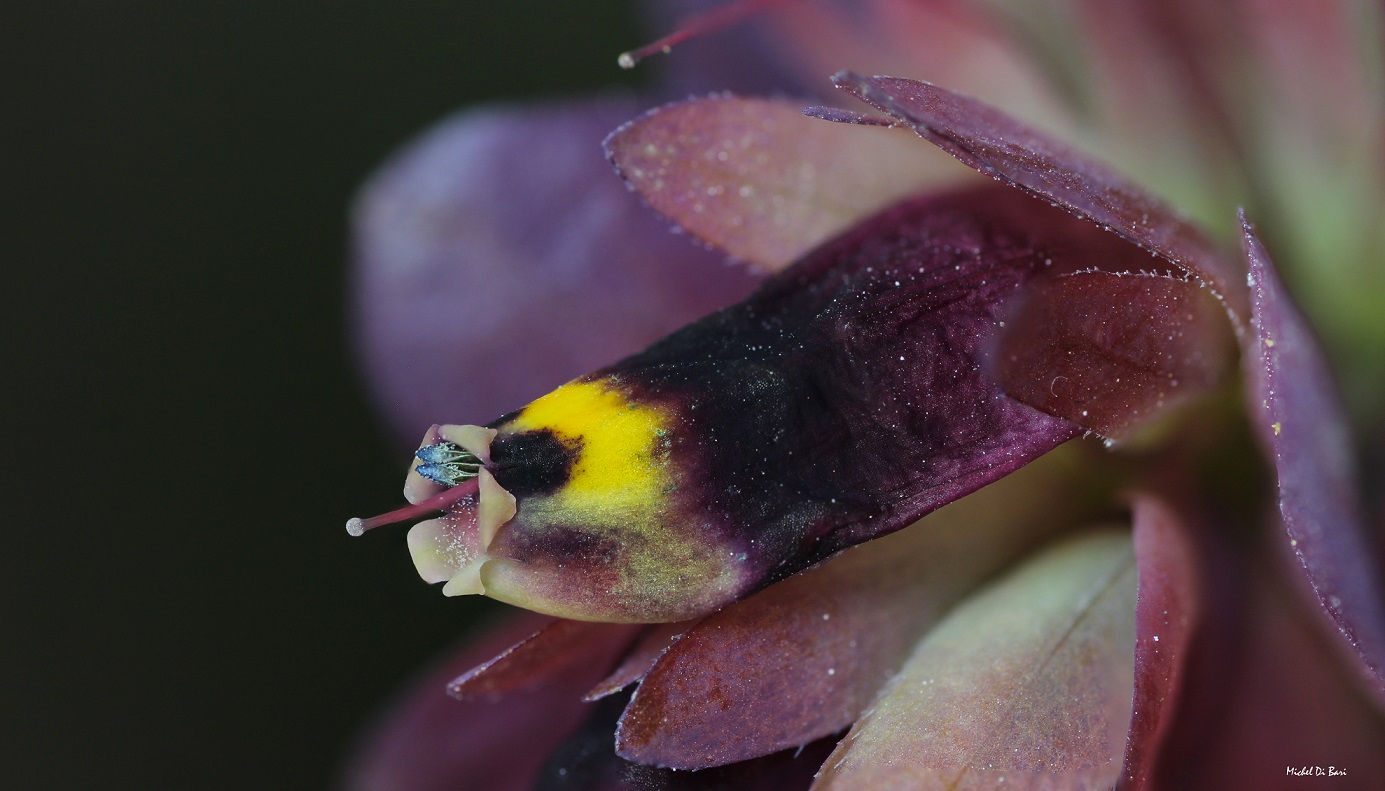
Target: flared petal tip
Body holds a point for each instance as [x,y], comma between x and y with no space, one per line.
[447,475]
[467,581]
[445,548]
[497,507]
[452,549]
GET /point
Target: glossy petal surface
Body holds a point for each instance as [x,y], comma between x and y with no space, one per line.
[1295,406]
[1110,351]
[1026,684]
[805,657]
[757,179]
[999,146]
[481,283]
[428,741]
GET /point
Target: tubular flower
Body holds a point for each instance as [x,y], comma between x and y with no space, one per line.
[960,486]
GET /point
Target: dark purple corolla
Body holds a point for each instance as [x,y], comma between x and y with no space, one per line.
[958,484]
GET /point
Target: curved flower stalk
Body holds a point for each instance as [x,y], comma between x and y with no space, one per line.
[744,517]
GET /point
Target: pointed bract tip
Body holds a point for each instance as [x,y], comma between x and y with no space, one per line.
[846,78]
[840,116]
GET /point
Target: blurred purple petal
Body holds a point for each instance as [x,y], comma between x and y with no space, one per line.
[1296,409]
[805,657]
[1308,60]
[954,42]
[997,145]
[1152,83]
[498,257]
[1236,74]
[1167,613]
[759,180]
[428,741]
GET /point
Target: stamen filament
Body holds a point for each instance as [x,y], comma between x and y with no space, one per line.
[438,502]
[712,20]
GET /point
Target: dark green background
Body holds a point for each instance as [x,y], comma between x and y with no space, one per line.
[186,431]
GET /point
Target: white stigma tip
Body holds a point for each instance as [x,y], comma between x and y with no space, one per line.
[626,60]
[355,526]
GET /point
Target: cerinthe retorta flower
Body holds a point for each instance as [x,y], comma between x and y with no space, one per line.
[981,466]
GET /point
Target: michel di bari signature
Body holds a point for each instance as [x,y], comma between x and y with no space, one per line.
[1314,771]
